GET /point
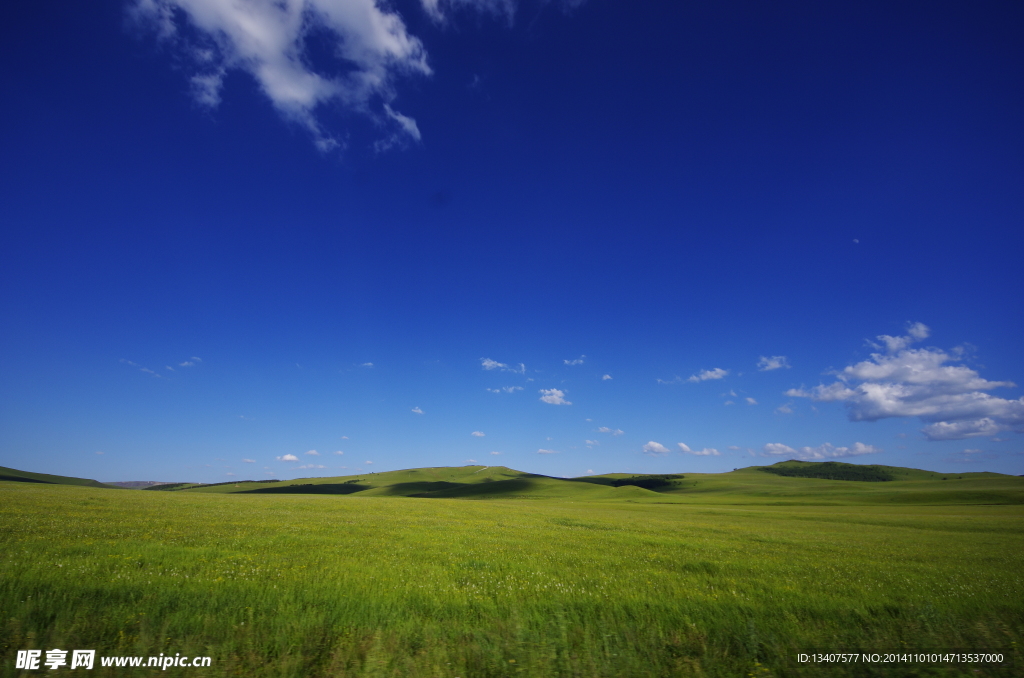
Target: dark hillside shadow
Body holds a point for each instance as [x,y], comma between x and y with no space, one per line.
[19,479]
[494,490]
[325,488]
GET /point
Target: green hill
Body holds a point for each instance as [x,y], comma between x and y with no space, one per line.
[784,483]
[14,475]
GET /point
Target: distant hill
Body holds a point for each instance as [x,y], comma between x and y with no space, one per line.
[787,482]
[14,475]
[138,484]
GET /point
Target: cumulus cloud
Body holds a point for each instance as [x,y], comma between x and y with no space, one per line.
[826,451]
[706,452]
[268,40]
[591,442]
[489,364]
[614,432]
[553,396]
[543,451]
[288,457]
[606,377]
[775,362]
[922,383]
[705,375]
[784,409]
[654,448]
[417,410]
[577,361]
[478,434]
[313,453]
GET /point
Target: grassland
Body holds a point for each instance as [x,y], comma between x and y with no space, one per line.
[729,575]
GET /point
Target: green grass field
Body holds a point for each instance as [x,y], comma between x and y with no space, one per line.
[715,575]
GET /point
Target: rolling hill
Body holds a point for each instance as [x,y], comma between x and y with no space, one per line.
[14,475]
[787,482]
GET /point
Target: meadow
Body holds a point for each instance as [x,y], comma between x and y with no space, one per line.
[628,583]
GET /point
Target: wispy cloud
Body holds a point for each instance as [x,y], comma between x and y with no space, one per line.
[553,396]
[908,382]
[338,452]
[751,401]
[706,375]
[495,453]
[653,448]
[784,409]
[775,362]
[249,461]
[417,410]
[506,389]
[706,452]
[543,451]
[610,431]
[366,365]
[606,377]
[313,453]
[478,434]
[826,451]
[269,41]
[576,361]
[489,364]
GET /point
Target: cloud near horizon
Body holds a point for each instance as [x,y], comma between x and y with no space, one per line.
[826,451]
[706,452]
[653,448]
[906,382]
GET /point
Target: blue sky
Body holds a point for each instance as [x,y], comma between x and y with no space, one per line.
[608,236]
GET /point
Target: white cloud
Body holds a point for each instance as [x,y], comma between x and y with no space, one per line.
[506,389]
[417,410]
[826,451]
[909,382]
[553,396]
[504,8]
[590,471]
[614,432]
[765,364]
[367,462]
[288,457]
[187,363]
[168,367]
[489,364]
[784,409]
[339,452]
[366,365]
[129,362]
[592,442]
[751,401]
[705,375]
[100,452]
[313,453]
[495,453]
[268,40]
[472,461]
[312,466]
[344,437]
[249,461]
[478,434]
[606,377]
[577,361]
[229,474]
[543,451]
[654,448]
[706,452]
